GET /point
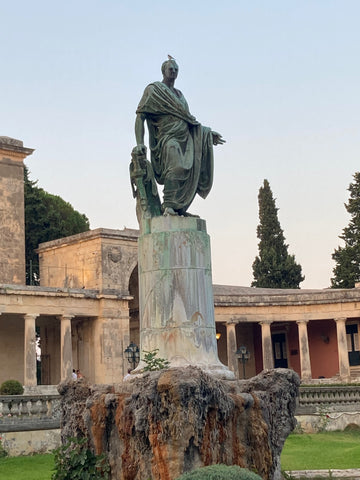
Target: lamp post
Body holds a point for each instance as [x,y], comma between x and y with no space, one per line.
[132,354]
[244,356]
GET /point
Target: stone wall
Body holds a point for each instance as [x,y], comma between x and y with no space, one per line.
[11,348]
[12,226]
[30,442]
[101,259]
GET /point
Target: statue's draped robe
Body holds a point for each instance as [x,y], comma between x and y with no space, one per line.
[181,148]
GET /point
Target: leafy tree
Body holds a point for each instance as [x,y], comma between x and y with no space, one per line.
[273,267]
[47,217]
[347,258]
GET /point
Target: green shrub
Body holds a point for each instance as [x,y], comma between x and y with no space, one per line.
[11,387]
[219,472]
[77,462]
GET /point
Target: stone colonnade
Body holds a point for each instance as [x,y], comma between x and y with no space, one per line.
[305,364]
[66,361]
[78,329]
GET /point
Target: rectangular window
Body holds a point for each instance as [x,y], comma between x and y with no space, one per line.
[348,341]
[356,342]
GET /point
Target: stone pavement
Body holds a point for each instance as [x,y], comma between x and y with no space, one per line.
[351,473]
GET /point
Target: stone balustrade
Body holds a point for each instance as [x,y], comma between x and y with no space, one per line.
[42,412]
[330,407]
[29,412]
[333,398]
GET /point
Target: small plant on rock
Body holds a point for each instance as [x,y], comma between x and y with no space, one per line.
[152,362]
[11,387]
[75,461]
[216,472]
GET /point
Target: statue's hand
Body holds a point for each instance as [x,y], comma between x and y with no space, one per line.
[140,149]
[217,138]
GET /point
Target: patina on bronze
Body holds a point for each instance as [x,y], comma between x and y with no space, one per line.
[181,148]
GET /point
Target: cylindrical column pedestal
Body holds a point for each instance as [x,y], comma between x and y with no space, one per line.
[176,297]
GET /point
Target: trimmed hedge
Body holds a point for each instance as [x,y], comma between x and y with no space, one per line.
[220,472]
[11,387]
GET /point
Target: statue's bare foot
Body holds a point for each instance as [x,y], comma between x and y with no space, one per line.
[169,211]
[187,214]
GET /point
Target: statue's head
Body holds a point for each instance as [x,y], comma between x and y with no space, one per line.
[168,67]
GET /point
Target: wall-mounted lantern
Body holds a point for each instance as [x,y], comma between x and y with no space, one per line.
[244,356]
[132,353]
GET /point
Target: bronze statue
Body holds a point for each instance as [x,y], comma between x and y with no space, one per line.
[181,148]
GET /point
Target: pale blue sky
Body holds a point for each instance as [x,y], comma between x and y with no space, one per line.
[279,79]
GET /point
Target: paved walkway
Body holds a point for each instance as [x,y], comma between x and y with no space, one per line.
[353,473]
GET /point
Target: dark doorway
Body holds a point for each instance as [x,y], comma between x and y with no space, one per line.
[279,350]
[352,338]
[45,370]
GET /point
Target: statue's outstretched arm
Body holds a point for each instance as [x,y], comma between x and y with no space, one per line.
[217,138]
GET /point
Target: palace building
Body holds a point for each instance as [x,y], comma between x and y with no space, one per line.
[85,312]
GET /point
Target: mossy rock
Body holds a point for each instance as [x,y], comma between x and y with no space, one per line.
[11,387]
[219,472]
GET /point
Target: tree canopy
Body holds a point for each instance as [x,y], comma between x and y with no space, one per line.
[347,258]
[274,267]
[47,217]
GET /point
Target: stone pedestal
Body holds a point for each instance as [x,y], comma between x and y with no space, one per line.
[176,297]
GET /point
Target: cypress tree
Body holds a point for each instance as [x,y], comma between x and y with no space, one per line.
[273,267]
[347,258]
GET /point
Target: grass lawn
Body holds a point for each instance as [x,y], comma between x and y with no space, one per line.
[36,467]
[321,451]
[301,452]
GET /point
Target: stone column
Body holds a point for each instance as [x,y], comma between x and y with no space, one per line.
[233,363]
[30,350]
[267,351]
[66,361]
[305,364]
[344,367]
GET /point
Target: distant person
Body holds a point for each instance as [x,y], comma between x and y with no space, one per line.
[74,376]
[79,374]
[128,375]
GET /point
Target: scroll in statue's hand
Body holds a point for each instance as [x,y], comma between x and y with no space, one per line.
[217,138]
[140,149]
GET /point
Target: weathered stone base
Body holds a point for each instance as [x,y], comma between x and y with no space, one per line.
[172,421]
